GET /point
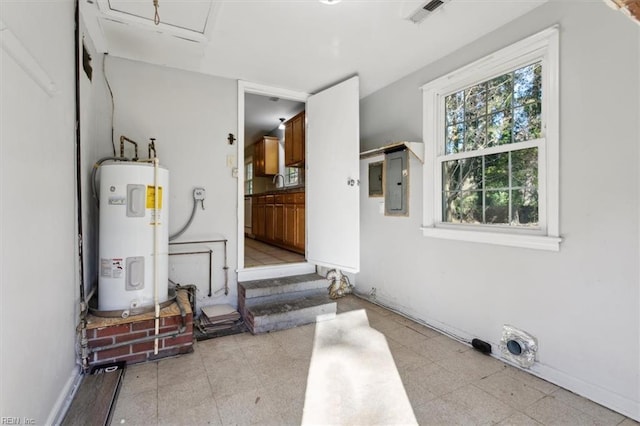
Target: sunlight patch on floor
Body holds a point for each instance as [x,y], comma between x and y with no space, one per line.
[352,377]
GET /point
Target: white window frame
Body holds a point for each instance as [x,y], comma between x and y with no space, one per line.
[287,181]
[544,47]
[248,180]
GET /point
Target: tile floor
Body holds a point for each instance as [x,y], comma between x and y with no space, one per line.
[257,253]
[246,379]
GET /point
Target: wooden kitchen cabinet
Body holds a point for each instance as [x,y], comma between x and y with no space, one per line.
[265,156]
[290,224]
[294,141]
[279,220]
[299,221]
[258,217]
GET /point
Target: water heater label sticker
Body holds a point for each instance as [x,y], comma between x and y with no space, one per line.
[117,268]
[117,201]
[105,268]
[151,197]
[111,268]
[153,217]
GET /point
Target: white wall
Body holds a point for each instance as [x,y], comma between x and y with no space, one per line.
[581,303]
[39,285]
[190,115]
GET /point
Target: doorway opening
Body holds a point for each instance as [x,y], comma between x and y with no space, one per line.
[272,181]
[328,209]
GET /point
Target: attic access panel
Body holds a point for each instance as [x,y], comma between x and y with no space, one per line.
[177,15]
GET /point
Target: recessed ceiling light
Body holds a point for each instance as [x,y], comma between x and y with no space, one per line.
[330,1]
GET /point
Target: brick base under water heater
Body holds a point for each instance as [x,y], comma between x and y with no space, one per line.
[107,331]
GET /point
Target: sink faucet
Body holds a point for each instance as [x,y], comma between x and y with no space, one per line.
[275,180]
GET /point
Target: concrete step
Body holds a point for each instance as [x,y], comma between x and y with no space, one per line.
[282,285]
[284,302]
[290,311]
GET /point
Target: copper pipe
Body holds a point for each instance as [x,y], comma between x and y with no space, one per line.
[152,147]
[123,138]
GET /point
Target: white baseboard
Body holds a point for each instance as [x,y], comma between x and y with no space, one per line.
[59,410]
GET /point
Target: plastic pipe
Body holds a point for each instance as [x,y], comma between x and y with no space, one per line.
[156,220]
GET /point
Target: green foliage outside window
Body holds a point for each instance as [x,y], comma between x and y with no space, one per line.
[500,188]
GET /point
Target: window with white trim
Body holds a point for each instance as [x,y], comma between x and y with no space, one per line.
[491,133]
[291,176]
[248,176]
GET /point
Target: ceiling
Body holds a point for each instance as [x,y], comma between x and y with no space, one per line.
[262,115]
[300,45]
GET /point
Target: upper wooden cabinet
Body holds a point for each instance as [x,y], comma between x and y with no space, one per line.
[265,156]
[294,141]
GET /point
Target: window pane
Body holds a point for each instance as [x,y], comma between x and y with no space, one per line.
[451,175]
[465,174]
[497,207]
[475,101]
[291,176]
[455,138]
[524,168]
[454,105]
[470,205]
[462,207]
[471,173]
[500,91]
[475,135]
[527,122]
[450,206]
[503,110]
[524,207]
[527,85]
[496,170]
[499,128]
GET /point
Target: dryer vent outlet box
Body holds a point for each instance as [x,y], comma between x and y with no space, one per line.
[518,346]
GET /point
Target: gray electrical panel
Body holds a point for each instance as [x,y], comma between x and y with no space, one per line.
[396,187]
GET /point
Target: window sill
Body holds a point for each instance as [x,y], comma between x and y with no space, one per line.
[536,242]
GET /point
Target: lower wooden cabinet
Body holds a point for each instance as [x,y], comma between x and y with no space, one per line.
[299,240]
[278,223]
[279,220]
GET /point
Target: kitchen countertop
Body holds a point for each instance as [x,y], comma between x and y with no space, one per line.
[287,189]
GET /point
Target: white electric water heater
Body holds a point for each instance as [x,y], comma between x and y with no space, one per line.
[128,236]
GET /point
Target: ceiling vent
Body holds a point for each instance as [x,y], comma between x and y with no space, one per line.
[425,10]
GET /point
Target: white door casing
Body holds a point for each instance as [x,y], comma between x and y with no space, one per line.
[332,177]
